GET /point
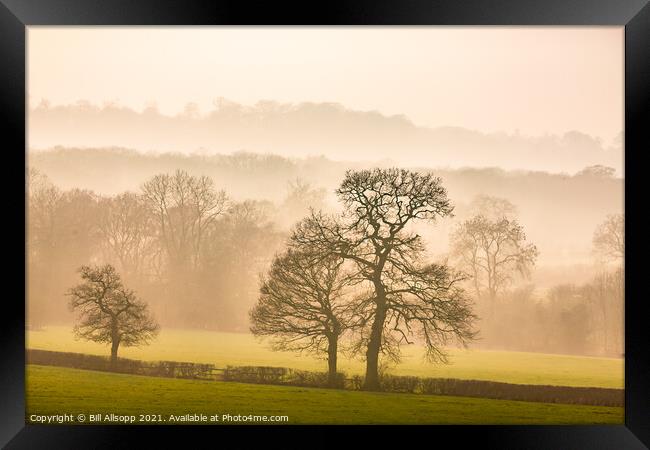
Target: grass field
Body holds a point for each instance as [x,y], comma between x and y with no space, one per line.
[55,390]
[237,349]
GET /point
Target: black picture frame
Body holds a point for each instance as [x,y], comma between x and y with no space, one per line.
[16,15]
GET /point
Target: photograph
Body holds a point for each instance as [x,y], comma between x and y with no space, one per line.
[325,225]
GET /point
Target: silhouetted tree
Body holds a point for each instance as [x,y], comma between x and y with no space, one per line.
[185,207]
[605,297]
[301,305]
[609,238]
[409,297]
[301,197]
[43,201]
[128,231]
[61,235]
[492,251]
[238,248]
[109,312]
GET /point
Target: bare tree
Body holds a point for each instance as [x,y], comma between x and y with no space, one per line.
[409,298]
[238,248]
[605,296]
[109,312]
[492,251]
[42,241]
[301,197]
[127,230]
[185,207]
[609,238]
[301,305]
[606,292]
[61,235]
[43,203]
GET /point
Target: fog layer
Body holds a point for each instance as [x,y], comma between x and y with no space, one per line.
[313,129]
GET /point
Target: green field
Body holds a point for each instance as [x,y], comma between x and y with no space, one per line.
[238,349]
[55,390]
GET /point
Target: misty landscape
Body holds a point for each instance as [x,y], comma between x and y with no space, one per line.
[81,214]
[295,247]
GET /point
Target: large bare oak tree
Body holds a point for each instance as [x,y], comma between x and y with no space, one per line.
[409,298]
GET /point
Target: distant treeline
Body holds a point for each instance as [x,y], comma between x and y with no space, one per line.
[290,377]
[312,128]
[186,248]
[558,211]
[569,318]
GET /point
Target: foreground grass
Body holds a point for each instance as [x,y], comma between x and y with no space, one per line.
[55,390]
[240,349]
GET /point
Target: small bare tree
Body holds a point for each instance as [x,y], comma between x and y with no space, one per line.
[609,238]
[109,312]
[301,305]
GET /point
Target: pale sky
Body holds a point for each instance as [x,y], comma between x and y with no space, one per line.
[533,79]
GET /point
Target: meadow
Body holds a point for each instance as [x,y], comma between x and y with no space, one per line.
[55,390]
[240,349]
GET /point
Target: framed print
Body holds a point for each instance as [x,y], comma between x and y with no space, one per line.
[362,219]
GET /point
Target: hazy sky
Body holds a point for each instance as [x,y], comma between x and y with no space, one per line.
[533,79]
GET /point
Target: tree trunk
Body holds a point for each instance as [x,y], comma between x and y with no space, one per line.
[371,382]
[114,345]
[493,299]
[332,354]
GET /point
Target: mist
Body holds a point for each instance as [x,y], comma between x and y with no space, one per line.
[313,129]
[75,191]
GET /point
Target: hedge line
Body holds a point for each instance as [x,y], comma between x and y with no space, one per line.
[280,375]
[505,391]
[291,377]
[168,369]
[437,386]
